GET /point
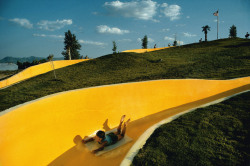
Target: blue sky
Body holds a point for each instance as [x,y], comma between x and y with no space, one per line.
[37,27]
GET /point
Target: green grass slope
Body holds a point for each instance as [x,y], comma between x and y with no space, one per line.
[221,59]
[214,135]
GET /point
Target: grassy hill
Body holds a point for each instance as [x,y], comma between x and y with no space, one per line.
[215,135]
[221,59]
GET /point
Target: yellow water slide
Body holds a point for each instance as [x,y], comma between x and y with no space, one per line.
[37,70]
[42,132]
[146,50]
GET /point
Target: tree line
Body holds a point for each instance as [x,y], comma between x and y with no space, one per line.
[72,46]
[232,31]
[25,65]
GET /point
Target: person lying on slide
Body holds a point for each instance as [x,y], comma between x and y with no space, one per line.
[108,139]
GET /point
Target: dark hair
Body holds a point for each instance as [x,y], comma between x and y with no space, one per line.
[101,134]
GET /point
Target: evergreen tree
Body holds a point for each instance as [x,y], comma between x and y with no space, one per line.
[20,65]
[71,47]
[145,42]
[233,31]
[114,47]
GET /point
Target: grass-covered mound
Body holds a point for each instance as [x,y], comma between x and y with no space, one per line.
[214,135]
[220,59]
[6,74]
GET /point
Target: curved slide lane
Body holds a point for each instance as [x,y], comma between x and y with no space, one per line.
[37,70]
[42,132]
[146,50]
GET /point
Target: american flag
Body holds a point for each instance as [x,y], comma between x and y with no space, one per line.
[216,13]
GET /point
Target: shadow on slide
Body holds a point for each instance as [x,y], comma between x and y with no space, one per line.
[80,155]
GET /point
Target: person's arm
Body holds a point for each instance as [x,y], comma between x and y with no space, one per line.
[88,140]
[101,148]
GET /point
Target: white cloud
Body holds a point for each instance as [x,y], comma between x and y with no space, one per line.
[150,40]
[164,5]
[186,34]
[171,11]
[125,40]
[165,30]
[92,43]
[143,10]
[53,25]
[188,17]
[39,35]
[169,38]
[180,42]
[109,30]
[22,22]
[180,25]
[52,36]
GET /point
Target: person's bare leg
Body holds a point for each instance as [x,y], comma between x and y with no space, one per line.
[120,125]
[124,128]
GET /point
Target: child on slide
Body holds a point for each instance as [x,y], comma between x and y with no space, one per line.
[109,139]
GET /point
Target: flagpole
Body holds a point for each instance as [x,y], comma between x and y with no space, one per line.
[217,23]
